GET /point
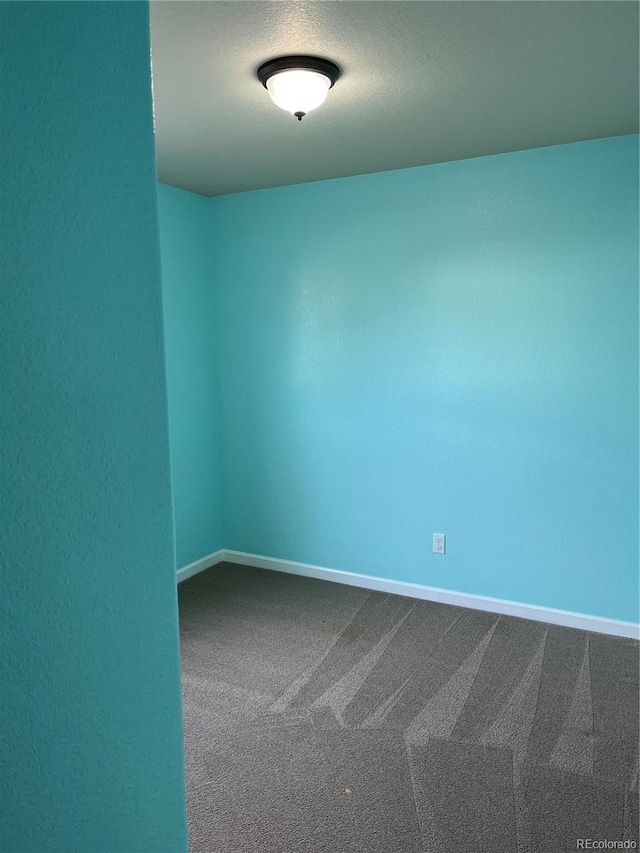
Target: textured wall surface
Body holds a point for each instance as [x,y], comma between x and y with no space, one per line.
[186,249]
[92,737]
[451,348]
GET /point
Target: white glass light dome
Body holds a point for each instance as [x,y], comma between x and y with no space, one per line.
[298,84]
[298,90]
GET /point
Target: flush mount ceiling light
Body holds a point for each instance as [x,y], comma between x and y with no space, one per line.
[298,84]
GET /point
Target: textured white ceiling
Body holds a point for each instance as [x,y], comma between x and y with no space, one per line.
[423,82]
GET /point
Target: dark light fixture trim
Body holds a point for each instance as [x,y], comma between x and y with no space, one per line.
[305,63]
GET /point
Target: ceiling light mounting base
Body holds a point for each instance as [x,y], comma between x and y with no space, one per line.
[306,63]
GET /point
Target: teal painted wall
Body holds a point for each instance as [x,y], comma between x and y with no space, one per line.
[450,348]
[191,372]
[91,734]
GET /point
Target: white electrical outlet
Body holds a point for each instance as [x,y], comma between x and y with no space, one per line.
[439,543]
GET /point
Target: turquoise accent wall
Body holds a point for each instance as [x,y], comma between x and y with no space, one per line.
[91,735]
[191,371]
[450,348]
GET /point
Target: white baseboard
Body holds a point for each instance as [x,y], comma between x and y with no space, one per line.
[200,565]
[428,593]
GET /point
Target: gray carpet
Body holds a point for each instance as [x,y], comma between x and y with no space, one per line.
[322,717]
